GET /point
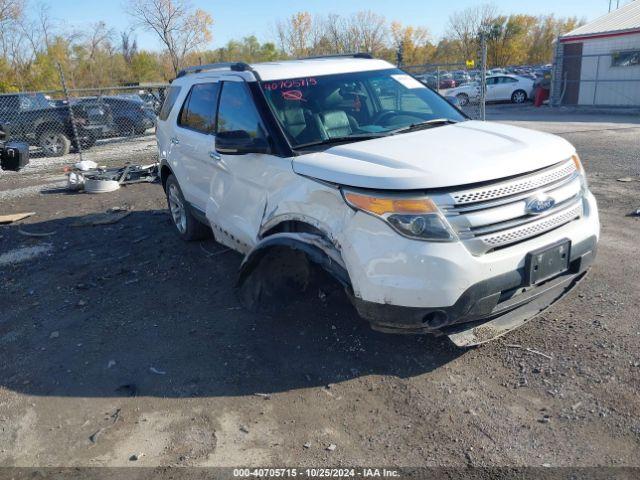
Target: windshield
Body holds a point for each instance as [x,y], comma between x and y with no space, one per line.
[361,105]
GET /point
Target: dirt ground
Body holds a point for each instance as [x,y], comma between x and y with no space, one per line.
[120,340]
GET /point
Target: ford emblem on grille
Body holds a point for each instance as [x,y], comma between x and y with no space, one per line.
[539,204]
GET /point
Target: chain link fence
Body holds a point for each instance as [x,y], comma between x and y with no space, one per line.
[111,121]
[57,122]
[463,83]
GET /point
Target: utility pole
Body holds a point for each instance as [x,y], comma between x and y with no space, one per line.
[400,54]
[483,75]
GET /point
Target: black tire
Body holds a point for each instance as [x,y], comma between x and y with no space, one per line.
[463,98]
[54,143]
[126,128]
[519,96]
[87,142]
[188,227]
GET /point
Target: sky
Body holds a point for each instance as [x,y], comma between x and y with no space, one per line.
[235,19]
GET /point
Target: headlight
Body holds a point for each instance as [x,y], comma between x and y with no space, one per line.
[580,169]
[417,218]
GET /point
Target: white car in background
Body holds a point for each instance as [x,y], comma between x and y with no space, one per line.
[499,88]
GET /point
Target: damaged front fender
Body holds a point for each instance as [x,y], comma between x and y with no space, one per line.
[315,248]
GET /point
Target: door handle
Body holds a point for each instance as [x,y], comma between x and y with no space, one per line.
[215,155]
[175,140]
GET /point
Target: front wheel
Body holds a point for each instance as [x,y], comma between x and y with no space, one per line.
[189,228]
[519,96]
[54,144]
[463,98]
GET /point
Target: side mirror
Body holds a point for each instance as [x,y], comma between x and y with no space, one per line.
[453,101]
[239,142]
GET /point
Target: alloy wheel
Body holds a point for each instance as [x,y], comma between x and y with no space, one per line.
[176,206]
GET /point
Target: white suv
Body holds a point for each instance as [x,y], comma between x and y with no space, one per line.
[432,222]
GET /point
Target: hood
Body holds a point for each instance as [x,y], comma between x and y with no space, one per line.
[452,155]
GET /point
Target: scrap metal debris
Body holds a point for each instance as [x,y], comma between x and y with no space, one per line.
[104,180]
[15,217]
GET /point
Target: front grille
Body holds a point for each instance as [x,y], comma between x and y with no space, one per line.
[532,229]
[495,216]
[514,186]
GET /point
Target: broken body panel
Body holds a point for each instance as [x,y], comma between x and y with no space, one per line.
[257,202]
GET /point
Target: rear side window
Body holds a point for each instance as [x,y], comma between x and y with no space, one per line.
[237,111]
[199,109]
[169,102]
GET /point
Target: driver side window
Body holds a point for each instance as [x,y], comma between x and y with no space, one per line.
[237,111]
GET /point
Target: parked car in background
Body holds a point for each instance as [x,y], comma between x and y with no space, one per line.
[129,115]
[461,77]
[431,81]
[499,88]
[34,119]
[151,100]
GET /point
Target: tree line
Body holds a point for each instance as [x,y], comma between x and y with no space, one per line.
[32,43]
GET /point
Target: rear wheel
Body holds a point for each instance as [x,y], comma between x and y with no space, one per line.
[519,96]
[463,98]
[54,143]
[189,228]
[126,128]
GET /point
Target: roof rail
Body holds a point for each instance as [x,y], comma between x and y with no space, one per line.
[340,55]
[234,66]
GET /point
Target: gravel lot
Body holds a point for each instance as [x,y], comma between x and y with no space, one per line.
[120,340]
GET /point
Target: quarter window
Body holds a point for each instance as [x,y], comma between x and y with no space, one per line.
[199,109]
[237,111]
[170,100]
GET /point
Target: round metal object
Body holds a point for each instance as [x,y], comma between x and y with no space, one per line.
[463,98]
[93,185]
[178,212]
[53,143]
[518,96]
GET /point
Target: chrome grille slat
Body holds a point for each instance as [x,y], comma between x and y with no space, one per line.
[514,210]
[497,227]
[495,216]
[506,200]
[514,186]
[532,229]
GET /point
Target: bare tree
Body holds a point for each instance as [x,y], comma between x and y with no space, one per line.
[11,9]
[295,33]
[368,31]
[99,37]
[466,25]
[303,34]
[181,28]
[128,45]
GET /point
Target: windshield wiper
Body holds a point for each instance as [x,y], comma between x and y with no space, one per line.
[426,124]
[346,138]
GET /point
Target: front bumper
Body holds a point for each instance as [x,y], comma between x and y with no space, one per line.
[408,286]
[486,309]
